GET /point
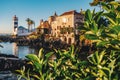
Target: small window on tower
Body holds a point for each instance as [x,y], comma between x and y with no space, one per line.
[15,22]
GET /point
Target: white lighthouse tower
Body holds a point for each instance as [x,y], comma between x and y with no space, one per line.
[15,24]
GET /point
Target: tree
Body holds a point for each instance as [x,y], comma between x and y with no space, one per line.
[97,2]
[30,24]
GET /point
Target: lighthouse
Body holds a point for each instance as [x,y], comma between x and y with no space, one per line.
[15,24]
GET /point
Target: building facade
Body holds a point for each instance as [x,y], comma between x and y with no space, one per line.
[64,26]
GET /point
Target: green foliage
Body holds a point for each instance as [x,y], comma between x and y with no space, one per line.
[40,69]
[107,41]
[103,65]
[98,2]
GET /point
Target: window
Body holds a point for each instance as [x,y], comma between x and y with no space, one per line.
[69,41]
[64,20]
[65,39]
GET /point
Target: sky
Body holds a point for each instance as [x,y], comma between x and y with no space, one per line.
[35,10]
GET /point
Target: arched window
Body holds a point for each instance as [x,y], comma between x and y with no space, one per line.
[69,26]
[69,41]
[65,39]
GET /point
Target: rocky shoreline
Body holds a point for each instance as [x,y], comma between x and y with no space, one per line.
[7,75]
[10,63]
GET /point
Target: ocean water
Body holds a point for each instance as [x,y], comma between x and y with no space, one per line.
[13,49]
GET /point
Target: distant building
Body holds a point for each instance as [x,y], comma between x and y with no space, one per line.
[20,30]
[63,27]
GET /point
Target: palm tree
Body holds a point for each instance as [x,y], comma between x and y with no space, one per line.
[29,23]
[32,23]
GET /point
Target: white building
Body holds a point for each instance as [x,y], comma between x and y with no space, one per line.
[22,31]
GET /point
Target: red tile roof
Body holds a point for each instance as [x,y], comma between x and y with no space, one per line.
[69,12]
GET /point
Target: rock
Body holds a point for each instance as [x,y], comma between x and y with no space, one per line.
[7,75]
[8,55]
[11,62]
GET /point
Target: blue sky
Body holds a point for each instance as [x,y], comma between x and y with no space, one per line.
[35,10]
